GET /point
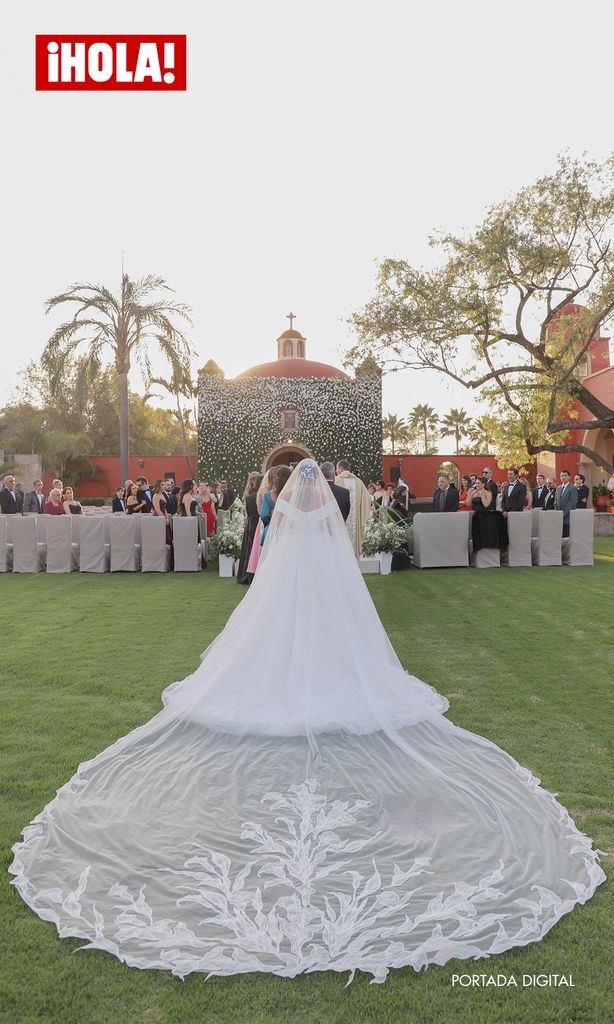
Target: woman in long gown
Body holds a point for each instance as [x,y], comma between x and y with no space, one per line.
[251,525]
[324,815]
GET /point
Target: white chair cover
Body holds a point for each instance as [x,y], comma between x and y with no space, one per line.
[94,553]
[60,555]
[76,528]
[578,547]
[186,548]
[125,553]
[519,531]
[4,550]
[546,547]
[28,554]
[535,514]
[41,525]
[487,558]
[155,552]
[440,539]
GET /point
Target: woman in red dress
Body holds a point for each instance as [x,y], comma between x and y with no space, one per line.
[159,508]
[464,497]
[207,504]
[55,506]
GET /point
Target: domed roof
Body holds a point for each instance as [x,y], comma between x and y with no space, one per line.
[291,333]
[293,368]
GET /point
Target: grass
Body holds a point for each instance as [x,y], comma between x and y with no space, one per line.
[525,657]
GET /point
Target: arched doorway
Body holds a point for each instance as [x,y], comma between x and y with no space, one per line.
[284,454]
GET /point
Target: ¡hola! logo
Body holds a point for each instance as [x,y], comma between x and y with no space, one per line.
[140,63]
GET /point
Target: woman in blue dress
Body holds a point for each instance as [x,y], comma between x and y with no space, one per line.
[281,475]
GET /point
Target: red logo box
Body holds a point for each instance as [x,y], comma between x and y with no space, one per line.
[135,63]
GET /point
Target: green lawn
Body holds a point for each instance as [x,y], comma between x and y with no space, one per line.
[526,657]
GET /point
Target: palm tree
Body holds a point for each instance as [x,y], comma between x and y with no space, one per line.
[425,418]
[125,324]
[482,433]
[394,429]
[456,424]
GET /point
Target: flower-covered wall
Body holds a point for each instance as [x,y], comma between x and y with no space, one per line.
[240,421]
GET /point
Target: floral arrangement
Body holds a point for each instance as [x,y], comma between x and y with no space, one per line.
[228,539]
[383,537]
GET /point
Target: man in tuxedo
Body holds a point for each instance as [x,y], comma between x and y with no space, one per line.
[492,487]
[540,492]
[10,498]
[228,495]
[566,499]
[144,494]
[342,495]
[119,500]
[171,499]
[550,495]
[514,493]
[580,485]
[445,498]
[34,501]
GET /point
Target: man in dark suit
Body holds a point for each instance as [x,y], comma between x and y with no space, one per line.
[550,496]
[492,487]
[34,501]
[144,495]
[228,495]
[119,500]
[514,493]
[171,499]
[540,492]
[342,494]
[582,489]
[445,498]
[10,499]
[566,499]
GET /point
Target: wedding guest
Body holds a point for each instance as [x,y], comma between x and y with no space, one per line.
[514,493]
[445,498]
[227,496]
[550,496]
[264,488]
[188,505]
[10,499]
[464,499]
[539,491]
[59,485]
[278,480]
[170,497]
[381,496]
[342,495]
[390,491]
[566,499]
[119,502]
[490,483]
[127,487]
[360,504]
[250,496]
[397,508]
[206,506]
[34,501]
[55,505]
[371,489]
[486,529]
[71,505]
[134,503]
[160,507]
[145,495]
[499,498]
[582,489]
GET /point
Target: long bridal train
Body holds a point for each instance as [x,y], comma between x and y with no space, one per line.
[301,803]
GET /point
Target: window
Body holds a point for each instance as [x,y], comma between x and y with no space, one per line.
[287,348]
[289,419]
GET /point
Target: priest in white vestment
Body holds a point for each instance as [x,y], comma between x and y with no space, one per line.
[360,504]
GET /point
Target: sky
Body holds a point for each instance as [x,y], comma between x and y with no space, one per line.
[313,141]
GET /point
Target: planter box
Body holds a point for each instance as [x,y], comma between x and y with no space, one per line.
[226,565]
[385,562]
[367,565]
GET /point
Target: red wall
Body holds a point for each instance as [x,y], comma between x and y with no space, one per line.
[420,471]
[153,467]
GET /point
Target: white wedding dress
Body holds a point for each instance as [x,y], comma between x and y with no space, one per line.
[301,803]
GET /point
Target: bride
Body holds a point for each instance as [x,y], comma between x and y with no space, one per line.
[323,815]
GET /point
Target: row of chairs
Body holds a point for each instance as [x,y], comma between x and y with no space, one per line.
[443,540]
[99,543]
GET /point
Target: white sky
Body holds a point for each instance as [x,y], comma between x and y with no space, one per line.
[313,140]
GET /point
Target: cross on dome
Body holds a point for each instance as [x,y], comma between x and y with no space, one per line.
[291,317]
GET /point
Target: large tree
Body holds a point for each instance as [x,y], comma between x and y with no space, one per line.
[125,325]
[394,429]
[491,314]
